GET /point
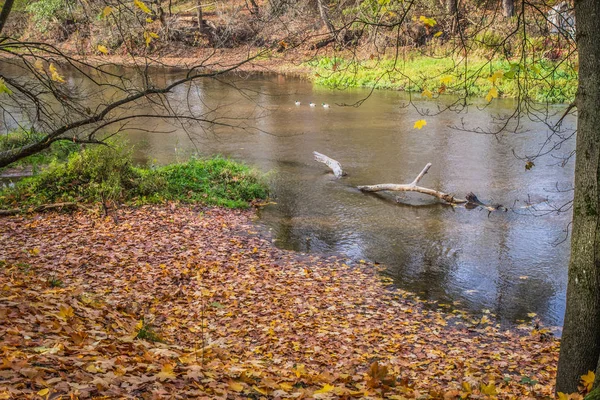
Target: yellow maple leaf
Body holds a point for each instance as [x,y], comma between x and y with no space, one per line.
[286,386]
[166,372]
[466,386]
[107,11]
[65,312]
[148,36]
[446,80]
[55,75]
[588,380]
[259,390]
[489,389]
[142,6]
[236,386]
[495,76]
[420,124]
[325,389]
[427,21]
[427,93]
[102,49]
[492,94]
[300,370]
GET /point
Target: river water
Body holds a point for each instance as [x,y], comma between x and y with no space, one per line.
[510,263]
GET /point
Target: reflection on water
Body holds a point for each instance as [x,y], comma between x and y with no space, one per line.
[505,262]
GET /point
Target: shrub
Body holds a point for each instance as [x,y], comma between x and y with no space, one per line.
[107,173]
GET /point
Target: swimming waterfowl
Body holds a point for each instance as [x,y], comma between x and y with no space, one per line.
[297,103]
[312,104]
[325,105]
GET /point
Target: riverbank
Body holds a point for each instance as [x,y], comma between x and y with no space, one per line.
[190,301]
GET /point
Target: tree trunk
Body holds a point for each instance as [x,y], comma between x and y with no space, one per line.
[199,16]
[5,13]
[508,8]
[580,345]
[325,17]
[452,8]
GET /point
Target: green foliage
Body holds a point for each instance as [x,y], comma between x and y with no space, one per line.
[216,181]
[55,282]
[45,11]
[146,332]
[107,173]
[59,151]
[542,80]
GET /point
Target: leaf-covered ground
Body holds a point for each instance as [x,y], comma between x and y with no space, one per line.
[83,298]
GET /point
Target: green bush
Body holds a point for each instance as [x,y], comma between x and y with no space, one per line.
[107,173]
[45,11]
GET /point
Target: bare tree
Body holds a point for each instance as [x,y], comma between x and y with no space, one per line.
[42,101]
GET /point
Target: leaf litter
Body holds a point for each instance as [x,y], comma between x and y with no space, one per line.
[178,302]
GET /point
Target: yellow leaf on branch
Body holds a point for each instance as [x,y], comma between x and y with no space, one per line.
[427,21]
[446,80]
[55,75]
[427,93]
[142,6]
[107,11]
[102,49]
[492,94]
[495,76]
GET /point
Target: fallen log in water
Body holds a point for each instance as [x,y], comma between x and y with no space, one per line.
[335,166]
[413,187]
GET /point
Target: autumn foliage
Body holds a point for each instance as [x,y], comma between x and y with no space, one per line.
[231,317]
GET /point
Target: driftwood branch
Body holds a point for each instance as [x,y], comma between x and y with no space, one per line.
[335,166]
[44,207]
[413,187]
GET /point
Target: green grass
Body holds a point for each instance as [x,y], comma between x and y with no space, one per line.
[102,173]
[542,80]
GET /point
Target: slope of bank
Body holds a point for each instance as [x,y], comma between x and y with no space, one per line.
[186,302]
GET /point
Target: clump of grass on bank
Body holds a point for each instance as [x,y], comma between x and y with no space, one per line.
[57,151]
[103,173]
[543,81]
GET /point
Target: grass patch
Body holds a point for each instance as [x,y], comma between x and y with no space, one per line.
[102,173]
[58,151]
[146,332]
[541,80]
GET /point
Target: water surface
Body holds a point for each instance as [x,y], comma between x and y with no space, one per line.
[511,263]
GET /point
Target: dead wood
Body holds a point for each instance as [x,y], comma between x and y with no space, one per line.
[413,187]
[43,207]
[335,166]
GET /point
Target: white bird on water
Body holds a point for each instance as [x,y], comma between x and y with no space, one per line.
[325,105]
[297,103]
[312,104]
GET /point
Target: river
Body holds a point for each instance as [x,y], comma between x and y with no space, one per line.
[510,263]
